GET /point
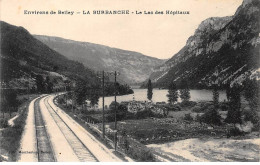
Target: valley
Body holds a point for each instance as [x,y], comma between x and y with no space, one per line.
[63,99]
[134,67]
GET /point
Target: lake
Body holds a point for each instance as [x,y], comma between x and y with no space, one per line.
[160,95]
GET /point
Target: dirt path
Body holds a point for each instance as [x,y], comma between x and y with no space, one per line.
[211,150]
[11,121]
[28,149]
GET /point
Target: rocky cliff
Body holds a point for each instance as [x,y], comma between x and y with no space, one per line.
[222,50]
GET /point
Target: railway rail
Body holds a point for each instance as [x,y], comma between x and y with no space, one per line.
[82,151]
[52,136]
[44,148]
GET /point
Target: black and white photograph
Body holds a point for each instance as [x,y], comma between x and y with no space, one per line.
[130,81]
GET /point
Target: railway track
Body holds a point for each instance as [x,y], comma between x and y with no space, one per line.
[50,136]
[44,148]
[81,151]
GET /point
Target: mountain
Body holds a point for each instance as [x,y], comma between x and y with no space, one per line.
[23,57]
[222,50]
[133,67]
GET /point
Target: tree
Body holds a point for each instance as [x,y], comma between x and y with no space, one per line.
[121,89]
[9,101]
[215,96]
[40,83]
[55,68]
[124,89]
[94,98]
[80,94]
[93,93]
[211,116]
[122,108]
[125,141]
[149,90]
[228,91]
[234,112]
[113,104]
[251,94]
[67,85]
[172,94]
[184,91]
[70,96]
[49,85]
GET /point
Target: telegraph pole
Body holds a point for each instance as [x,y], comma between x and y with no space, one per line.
[103,103]
[66,95]
[28,89]
[115,114]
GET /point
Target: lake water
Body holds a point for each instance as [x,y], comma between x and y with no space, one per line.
[161,95]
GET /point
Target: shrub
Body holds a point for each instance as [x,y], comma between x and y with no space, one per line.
[61,100]
[91,118]
[211,116]
[202,107]
[234,132]
[110,117]
[113,104]
[251,115]
[198,118]
[196,109]
[140,152]
[122,107]
[256,127]
[3,123]
[224,106]
[233,116]
[206,106]
[188,117]
[185,94]
[234,112]
[174,107]
[144,114]
[9,100]
[187,103]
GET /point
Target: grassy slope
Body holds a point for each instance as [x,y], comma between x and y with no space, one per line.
[24,56]
[10,137]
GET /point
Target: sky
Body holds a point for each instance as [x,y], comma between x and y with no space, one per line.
[159,36]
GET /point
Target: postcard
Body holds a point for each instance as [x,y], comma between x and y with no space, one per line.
[130,81]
